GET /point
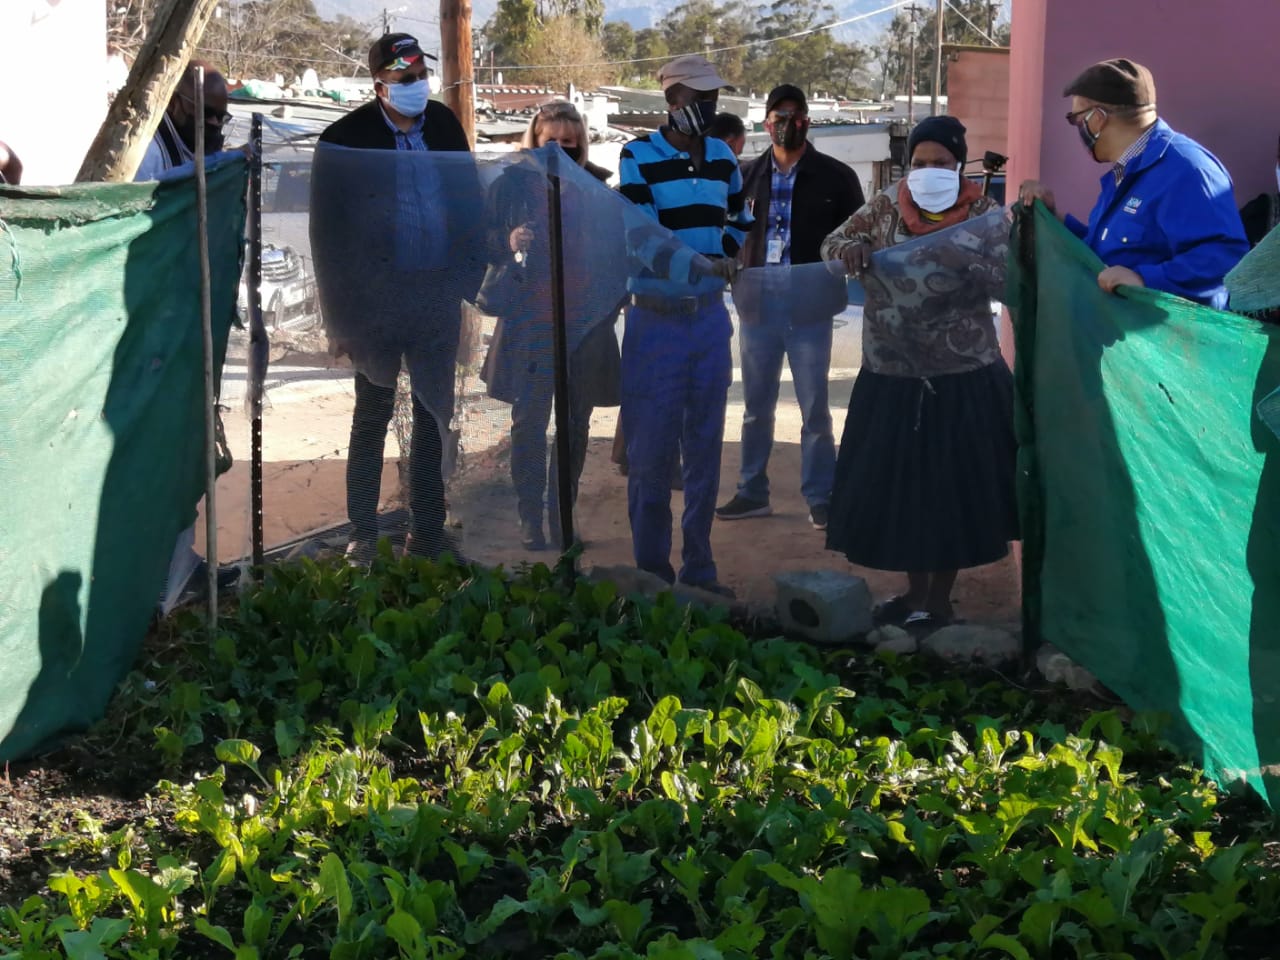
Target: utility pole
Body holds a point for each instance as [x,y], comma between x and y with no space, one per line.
[937,56]
[911,68]
[386,21]
[456,63]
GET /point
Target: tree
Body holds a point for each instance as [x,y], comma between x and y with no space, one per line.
[565,52]
[254,38]
[698,24]
[967,25]
[511,28]
[651,49]
[620,45]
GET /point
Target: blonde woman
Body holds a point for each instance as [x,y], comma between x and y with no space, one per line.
[519,368]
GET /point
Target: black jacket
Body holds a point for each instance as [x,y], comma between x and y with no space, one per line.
[827,192]
[365,128]
[352,201]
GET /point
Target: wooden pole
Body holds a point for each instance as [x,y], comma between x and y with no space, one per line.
[135,113]
[937,56]
[911,74]
[456,65]
[210,398]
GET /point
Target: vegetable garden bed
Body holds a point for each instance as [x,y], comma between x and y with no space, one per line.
[423,761]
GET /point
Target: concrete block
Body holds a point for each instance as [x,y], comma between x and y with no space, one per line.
[824,606]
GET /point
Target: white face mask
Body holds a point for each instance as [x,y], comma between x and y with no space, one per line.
[408,99]
[934,189]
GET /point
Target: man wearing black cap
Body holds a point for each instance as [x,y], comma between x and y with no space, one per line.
[403,118]
[1166,217]
[801,195]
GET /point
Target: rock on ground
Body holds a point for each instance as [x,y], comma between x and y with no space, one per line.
[965,643]
[1056,667]
[893,640]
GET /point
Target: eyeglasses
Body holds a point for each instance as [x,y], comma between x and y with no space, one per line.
[1075,116]
[407,78]
[213,117]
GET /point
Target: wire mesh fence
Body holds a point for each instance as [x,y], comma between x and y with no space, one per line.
[409,300]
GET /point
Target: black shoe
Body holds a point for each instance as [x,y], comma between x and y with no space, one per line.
[433,548]
[740,508]
[197,588]
[713,586]
[818,516]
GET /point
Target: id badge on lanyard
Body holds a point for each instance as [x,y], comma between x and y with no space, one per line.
[773,250]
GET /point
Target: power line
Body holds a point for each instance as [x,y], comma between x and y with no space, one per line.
[982,32]
[285,58]
[401,16]
[738,46]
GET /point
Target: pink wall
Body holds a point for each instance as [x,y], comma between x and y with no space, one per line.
[1212,66]
[978,94]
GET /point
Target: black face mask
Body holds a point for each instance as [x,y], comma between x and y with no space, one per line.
[694,119]
[214,139]
[187,131]
[789,134]
[573,153]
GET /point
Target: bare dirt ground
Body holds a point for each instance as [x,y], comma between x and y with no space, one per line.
[305,442]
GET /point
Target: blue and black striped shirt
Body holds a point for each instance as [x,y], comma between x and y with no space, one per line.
[704,209]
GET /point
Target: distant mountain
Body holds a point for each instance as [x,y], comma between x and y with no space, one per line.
[421,17]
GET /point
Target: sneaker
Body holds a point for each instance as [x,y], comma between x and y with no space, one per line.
[818,515]
[361,552]
[739,508]
[531,537]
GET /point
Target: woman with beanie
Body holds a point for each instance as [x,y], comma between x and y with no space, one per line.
[925,477]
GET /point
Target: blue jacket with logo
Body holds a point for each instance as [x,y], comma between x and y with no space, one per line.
[1172,219]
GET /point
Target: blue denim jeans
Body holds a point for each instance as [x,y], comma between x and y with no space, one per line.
[676,372]
[763,341]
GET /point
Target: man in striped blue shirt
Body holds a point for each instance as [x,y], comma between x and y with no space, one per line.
[676,367]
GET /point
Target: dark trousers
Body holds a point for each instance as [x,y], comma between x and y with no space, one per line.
[530,415]
[372,416]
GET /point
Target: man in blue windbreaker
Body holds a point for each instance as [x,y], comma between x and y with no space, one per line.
[1166,217]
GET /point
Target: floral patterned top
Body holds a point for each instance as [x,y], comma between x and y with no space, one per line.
[928,306]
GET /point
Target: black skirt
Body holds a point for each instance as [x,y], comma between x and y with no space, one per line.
[925,477]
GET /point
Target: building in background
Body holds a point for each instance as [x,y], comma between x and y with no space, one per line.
[978,96]
[52,144]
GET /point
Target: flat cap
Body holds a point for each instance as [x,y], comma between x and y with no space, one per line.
[694,71]
[1120,83]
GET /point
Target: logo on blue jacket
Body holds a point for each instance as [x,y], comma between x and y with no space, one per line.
[1132,204]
